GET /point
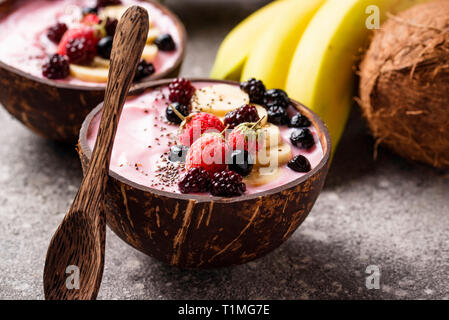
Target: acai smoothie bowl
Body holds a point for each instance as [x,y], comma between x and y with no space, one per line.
[54,58]
[208,173]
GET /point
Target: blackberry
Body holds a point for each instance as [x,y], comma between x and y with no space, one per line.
[299,121]
[81,50]
[276,97]
[144,69]
[165,42]
[255,89]
[57,67]
[172,116]
[110,26]
[105,3]
[178,153]
[195,180]
[89,10]
[227,184]
[302,138]
[299,164]
[181,90]
[246,113]
[55,33]
[104,47]
[241,162]
[277,115]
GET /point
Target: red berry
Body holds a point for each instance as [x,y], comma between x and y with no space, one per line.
[195,180]
[90,19]
[208,152]
[57,67]
[227,184]
[196,125]
[79,45]
[181,90]
[245,137]
[55,33]
[246,113]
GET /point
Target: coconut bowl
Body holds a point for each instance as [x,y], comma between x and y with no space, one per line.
[56,110]
[196,231]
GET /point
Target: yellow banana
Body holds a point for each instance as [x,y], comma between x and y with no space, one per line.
[270,57]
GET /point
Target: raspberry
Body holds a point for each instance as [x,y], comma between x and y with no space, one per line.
[246,137]
[227,184]
[111,26]
[276,97]
[299,164]
[196,125]
[57,67]
[55,33]
[90,19]
[144,69]
[79,45]
[181,90]
[246,113]
[302,138]
[165,42]
[277,115]
[255,89]
[299,121]
[105,3]
[208,152]
[194,180]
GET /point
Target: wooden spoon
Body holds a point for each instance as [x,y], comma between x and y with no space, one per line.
[75,257]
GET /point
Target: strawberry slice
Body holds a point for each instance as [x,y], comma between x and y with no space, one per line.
[79,45]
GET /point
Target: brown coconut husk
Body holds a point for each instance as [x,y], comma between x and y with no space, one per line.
[404,84]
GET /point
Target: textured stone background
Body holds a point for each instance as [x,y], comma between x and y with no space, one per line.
[387,212]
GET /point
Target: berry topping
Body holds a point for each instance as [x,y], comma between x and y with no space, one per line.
[165,42]
[79,45]
[105,3]
[90,19]
[246,136]
[104,47]
[89,10]
[178,153]
[299,164]
[57,67]
[276,97]
[255,89]
[241,162]
[172,115]
[111,26]
[277,115]
[227,184]
[196,125]
[55,33]
[144,69]
[302,138]
[208,152]
[246,113]
[195,180]
[299,121]
[181,90]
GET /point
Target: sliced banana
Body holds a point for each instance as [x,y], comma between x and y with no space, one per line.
[100,63]
[272,135]
[149,52]
[153,33]
[262,112]
[218,99]
[91,74]
[274,156]
[261,176]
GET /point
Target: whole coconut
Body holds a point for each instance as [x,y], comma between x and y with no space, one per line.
[404,85]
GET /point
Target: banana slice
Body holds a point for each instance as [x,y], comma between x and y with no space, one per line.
[149,52]
[100,63]
[272,135]
[218,99]
[153,33]
[274,156]
[262,114]
[261,176]
[91,74]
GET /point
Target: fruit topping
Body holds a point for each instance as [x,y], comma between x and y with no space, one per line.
[181,90]
[246,136]
[55,33]
[276,97]
[89,10]
[79,45]
[194,180]
[208,152]
[227,184]
[196,125]
[302,138]
[90,19]
[255,89]
[299,121]
[178,153]
[246,113]
[104,47]
[277,115]
[165,42]
[57,67]
[299,164]
[144,69]
[176,117]
[105,3]
[241,162]
[110,26]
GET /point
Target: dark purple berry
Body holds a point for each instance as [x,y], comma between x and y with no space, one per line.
[178,153]
[89,10]
[241,162]
[299,164]
[299,121]
[276,97]
[255,90]
[81,50]
[144,69]
[105,3]
[104,47]
[227,184]
[246,113]
[55,33]
[165,42]
[181,90]
[277,115]
[171,114]
[111,26]
[57,67]
[302,138]
[195,180]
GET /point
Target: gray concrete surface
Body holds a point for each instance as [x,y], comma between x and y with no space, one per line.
[388,213]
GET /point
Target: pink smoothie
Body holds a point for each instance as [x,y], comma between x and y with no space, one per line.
[25,46]
[144,138]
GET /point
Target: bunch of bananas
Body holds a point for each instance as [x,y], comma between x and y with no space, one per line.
[309,48]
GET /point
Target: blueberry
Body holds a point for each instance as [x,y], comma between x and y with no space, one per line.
[299,164]
[276,97]
[165,42]
[172,116]
[277,115]
[104,47]
[178,153]
[299,121]
[241,162]
[302,138]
